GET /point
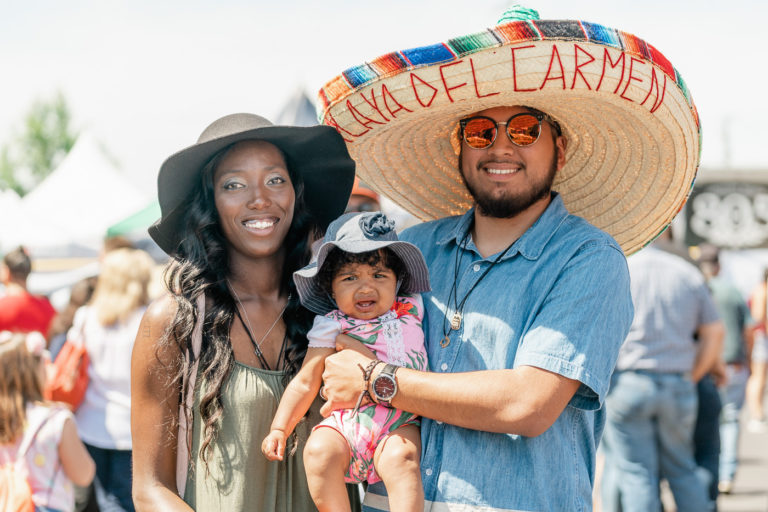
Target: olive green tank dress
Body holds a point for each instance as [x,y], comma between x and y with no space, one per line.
[240,477]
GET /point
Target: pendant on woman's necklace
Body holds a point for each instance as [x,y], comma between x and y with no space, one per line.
[445,341]
[456,321]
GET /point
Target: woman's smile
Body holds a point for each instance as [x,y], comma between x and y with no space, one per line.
[261,226]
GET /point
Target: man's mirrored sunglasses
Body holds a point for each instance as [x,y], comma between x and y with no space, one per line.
[479,132]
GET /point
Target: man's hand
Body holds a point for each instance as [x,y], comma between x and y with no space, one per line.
[273,446]
[710,347]
[342,377]
[719,373]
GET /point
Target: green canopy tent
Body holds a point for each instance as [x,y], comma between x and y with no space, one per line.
[138,221]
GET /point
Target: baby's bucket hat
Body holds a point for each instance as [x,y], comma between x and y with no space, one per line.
[357,233]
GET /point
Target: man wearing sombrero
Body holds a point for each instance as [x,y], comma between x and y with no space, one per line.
[511,138]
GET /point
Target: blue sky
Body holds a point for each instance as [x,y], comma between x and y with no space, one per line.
[145,77]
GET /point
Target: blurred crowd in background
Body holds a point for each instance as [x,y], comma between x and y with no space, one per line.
[687,316]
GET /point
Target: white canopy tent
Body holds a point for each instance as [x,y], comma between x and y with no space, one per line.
[75,204]
[9,203]
[298,110]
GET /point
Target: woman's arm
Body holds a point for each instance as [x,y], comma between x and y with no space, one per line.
[75,459]
[295,403]
[154,412]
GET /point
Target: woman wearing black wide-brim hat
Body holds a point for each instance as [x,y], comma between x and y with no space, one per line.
[240,209]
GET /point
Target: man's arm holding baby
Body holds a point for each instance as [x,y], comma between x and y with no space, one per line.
[525,400]
[570,347]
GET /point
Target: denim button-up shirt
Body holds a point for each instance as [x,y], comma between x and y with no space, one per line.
[558,300]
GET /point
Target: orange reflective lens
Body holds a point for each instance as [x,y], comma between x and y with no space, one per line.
[522,129]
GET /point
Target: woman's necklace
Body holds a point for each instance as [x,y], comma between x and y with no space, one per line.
[458,307]
[247,325]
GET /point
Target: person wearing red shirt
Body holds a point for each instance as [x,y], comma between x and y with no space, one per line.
[20,311]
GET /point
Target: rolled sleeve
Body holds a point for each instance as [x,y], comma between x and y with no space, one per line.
[323,333]
[579,329]
[708,310]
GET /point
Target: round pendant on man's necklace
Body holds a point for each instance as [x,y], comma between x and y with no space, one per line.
[456,321]
[445,342]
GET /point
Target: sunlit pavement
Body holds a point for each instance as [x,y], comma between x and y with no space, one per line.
[750,487]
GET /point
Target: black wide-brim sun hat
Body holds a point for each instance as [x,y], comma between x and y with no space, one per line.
[317,153]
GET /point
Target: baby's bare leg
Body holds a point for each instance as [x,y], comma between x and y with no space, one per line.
[326,458]
[397,463]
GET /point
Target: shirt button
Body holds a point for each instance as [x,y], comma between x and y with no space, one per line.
[428,471]
[443,366]
[476,267]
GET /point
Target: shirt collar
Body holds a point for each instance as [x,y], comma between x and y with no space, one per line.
[460,229]
[533,241]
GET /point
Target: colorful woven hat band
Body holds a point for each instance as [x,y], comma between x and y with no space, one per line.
[633,131]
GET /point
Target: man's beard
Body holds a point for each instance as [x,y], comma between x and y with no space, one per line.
[507,205]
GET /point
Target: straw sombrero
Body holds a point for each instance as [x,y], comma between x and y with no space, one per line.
[633,131]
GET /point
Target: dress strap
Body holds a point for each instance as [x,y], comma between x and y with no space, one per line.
[256,349]
[281,360]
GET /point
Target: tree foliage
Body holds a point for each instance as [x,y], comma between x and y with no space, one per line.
[45,139]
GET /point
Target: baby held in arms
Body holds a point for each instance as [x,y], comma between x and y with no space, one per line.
[366,284]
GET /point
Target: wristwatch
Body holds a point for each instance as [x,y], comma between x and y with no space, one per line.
[384,386]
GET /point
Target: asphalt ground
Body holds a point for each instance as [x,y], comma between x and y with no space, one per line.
[750,486]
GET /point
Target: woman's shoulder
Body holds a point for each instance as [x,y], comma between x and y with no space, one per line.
[162,308]
[134,318]
[155,322]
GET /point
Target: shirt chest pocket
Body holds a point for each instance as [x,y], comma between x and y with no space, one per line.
[487,342]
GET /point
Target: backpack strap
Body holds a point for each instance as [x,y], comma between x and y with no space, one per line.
[76,333]
[184,437]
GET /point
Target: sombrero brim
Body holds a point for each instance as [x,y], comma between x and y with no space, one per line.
[633,131]
[317,153]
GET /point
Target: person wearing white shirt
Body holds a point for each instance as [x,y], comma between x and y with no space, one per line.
[108,327]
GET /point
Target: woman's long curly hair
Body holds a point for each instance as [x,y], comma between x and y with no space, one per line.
[200,267]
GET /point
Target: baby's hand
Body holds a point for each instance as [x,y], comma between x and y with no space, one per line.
[273,446]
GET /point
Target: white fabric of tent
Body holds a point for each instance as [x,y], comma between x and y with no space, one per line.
[9,203]
[298,110]
[10,218]
[75,204]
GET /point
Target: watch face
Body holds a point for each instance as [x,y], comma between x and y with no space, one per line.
[384,386]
